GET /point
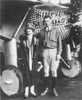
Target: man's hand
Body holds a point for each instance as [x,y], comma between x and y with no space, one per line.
[58,57]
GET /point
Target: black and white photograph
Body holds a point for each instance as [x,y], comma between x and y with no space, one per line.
[41,50]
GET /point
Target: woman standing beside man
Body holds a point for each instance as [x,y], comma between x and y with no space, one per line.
[27,45]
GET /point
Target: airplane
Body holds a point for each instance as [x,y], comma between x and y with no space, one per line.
[34,12]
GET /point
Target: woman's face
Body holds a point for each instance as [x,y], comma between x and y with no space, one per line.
[29,31]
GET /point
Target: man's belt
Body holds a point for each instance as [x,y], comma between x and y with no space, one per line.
[49,47]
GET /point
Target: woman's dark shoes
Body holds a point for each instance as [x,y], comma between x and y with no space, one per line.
[23,97]
[33,95]
[32,91]
[26,94]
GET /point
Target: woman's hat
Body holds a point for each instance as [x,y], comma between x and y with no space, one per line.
[30,26]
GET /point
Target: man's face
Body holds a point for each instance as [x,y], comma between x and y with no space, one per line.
[29,31]
[53,16]
[47,21]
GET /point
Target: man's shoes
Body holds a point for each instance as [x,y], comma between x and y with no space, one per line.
[45,92]
[55,92]
[32,91]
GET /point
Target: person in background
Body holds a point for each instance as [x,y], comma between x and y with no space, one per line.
[50,42]
[28,43]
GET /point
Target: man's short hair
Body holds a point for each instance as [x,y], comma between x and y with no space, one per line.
[46,16]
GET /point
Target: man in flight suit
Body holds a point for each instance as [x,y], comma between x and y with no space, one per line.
[51,44]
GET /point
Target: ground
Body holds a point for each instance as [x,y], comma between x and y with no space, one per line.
[68,89]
